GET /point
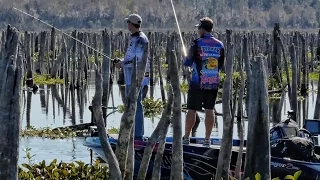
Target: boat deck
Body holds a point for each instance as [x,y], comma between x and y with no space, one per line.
[234,148]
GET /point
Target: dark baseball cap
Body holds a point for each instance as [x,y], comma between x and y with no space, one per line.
[206,23]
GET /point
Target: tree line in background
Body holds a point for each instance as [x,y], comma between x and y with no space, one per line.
[96,14]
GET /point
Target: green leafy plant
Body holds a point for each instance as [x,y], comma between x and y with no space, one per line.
[62,170]
[294,177]
[151,107]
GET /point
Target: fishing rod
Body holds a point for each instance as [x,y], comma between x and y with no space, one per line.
[181,38]
[104,55]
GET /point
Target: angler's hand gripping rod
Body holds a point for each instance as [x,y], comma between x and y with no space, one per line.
[104,55]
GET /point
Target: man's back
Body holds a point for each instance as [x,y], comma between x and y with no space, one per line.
[135,49]
[208,58]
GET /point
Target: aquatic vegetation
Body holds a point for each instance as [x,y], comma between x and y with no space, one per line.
[92,59]
[47,55]
[275,96]
[46,79]
[294,177]
[58,133]
[113,130]
[164,65]
[184,87]
[151,107]
[47,132]
[61,170]
[116,54]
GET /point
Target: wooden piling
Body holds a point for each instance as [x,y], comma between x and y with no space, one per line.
[177,151]
[127,119]
[10,107]
[224,158]
[294,93]
[258,134]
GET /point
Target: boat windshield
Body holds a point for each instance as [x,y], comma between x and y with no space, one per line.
[290,131]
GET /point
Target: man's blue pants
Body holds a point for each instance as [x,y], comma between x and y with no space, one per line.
[139,118]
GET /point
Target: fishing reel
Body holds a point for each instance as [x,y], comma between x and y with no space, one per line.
[116,60]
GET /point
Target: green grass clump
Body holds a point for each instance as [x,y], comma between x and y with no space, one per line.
[46,79]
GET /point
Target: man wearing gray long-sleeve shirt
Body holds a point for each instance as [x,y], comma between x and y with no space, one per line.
[137,42]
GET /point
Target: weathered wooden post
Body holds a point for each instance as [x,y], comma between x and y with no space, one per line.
[258,134]
[152,140]
[10,106]
[276,55]
[43,36]
[240,122]
[226,144]
[29,81]
[61,58]
[304,83]
[294,93]
[106,67]
[177,150]
[97,111]
[317,106]
[127,119]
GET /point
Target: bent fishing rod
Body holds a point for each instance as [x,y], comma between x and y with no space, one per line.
[181,38]
[43,22]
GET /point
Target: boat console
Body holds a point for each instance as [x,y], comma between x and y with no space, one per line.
[289,128]
[287,140]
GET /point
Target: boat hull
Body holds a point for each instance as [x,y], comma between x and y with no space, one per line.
[201,162]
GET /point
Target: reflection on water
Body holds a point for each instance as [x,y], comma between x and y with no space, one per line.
[56,106]
[46,149]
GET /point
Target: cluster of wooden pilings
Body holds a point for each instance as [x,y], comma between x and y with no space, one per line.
[51,52]
[60,56]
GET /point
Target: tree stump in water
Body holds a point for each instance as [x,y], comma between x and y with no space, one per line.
[258,146]
[10,106]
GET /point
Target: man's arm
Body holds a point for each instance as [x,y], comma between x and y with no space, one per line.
[141,44]
[191,55]
[221,59]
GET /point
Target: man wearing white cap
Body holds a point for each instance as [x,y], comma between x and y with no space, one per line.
[136,45]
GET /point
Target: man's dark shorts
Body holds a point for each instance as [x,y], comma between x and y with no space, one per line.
[198,98]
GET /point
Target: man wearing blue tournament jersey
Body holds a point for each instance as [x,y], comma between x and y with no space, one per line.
[206,57]
[136,45]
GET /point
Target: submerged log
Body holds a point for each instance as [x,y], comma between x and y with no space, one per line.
[258,134]
[10,107]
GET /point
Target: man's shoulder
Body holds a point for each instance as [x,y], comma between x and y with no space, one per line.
[142,38]
[219,42]
[194,42]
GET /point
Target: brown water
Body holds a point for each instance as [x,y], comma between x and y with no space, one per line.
[47,110]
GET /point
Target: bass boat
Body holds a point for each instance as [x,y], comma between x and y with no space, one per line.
[294,152]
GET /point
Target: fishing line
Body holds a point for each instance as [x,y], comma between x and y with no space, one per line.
[63,33]
[175,16]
